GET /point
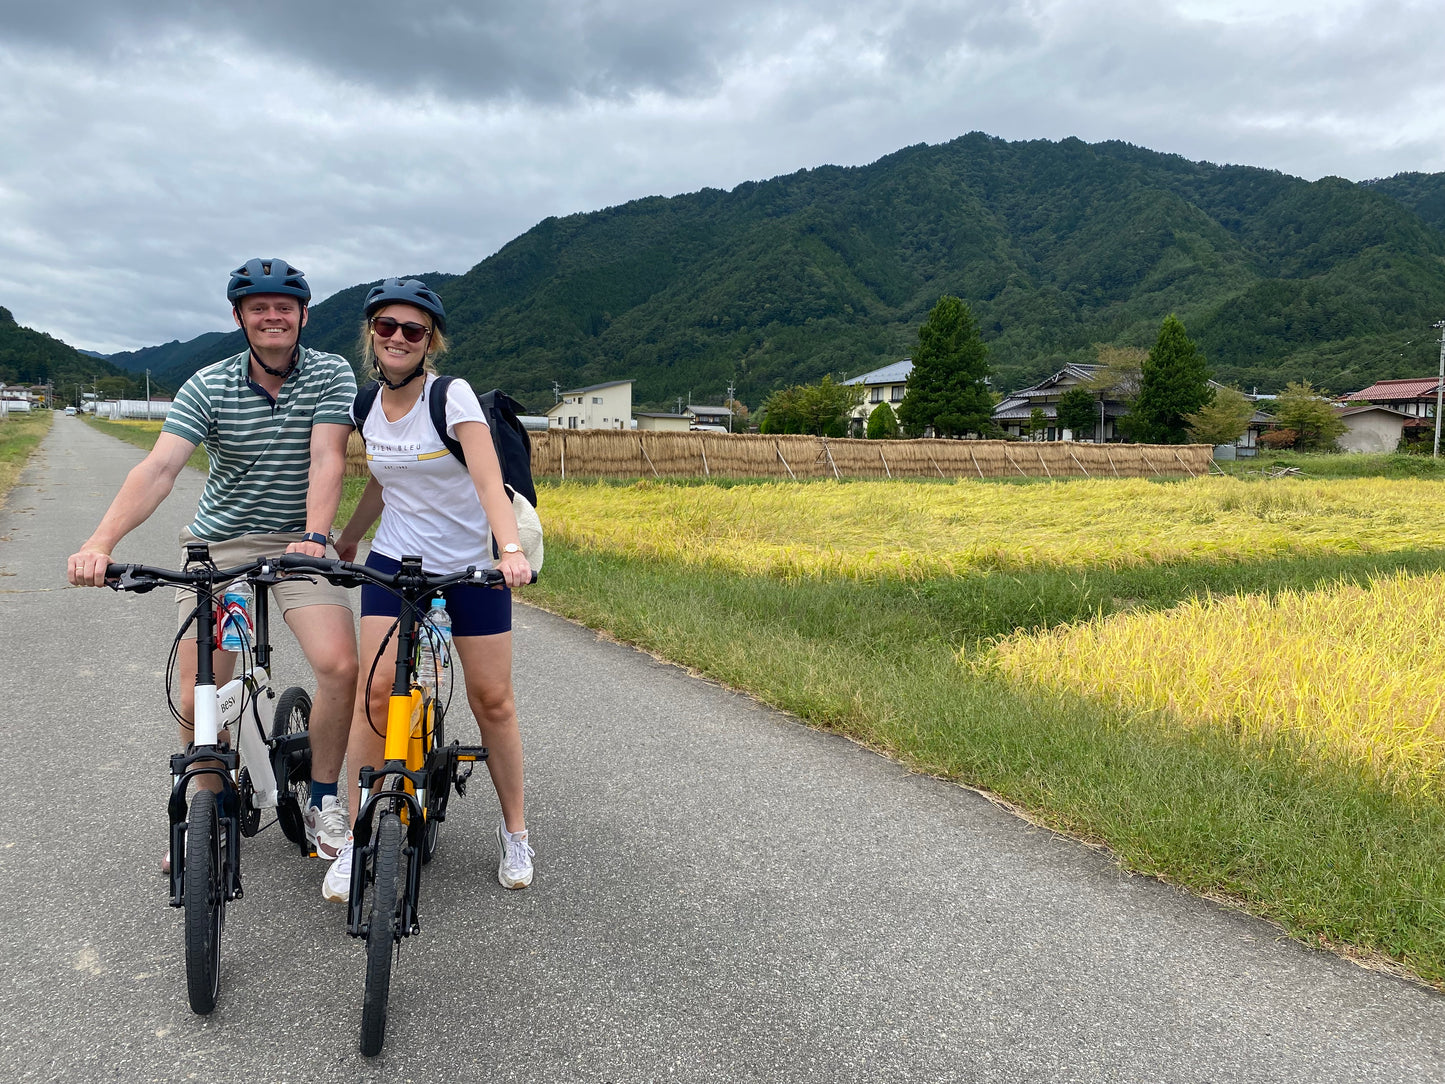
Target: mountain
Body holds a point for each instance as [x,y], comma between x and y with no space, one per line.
[1055,246]
[32,357]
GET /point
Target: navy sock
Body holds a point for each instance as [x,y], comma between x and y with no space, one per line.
[321,790]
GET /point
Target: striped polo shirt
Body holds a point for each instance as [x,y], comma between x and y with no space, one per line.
[260,451]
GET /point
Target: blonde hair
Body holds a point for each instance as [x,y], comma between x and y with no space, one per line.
[437,344]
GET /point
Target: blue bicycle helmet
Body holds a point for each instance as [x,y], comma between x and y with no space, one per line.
[267,277]
[406,292]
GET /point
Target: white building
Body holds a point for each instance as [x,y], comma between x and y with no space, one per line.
[885,385]
[598,406]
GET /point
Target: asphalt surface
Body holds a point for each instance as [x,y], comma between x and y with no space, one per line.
[722,894]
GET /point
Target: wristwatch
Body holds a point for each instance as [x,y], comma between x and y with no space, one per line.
[315,536]
[511,547]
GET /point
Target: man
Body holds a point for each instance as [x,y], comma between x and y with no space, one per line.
[274,420]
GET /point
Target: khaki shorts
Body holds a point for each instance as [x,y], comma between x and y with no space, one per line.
[289,594]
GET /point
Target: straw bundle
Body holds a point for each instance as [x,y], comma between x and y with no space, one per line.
[655,454]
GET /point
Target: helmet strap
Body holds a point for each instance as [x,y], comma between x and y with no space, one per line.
[290,367]
[420,368]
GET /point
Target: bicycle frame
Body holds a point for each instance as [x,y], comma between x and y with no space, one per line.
[217,709]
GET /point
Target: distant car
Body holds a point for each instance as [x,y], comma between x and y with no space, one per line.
[70,410]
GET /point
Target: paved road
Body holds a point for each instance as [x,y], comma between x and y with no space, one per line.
[722,894]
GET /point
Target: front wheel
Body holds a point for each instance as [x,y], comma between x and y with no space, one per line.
[204,893]
[381,932]
[293,716]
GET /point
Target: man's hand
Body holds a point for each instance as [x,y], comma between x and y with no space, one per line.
[87,568]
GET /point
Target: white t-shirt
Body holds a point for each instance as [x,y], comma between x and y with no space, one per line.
[431,507]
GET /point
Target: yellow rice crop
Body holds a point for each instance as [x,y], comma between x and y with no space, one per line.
[1352,673]
[921,530]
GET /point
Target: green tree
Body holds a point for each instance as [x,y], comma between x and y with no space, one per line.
[1078,412]
[882,423]
[1174,383]
[947,389]
[1307,411]
[1038,422]
[1224,420]
[821,409]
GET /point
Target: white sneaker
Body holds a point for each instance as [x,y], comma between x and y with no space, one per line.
[514,868]
[327,827]
[337,885]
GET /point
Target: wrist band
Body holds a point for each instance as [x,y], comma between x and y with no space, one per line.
[315,536]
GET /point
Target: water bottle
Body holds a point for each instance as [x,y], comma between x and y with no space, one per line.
[235,618]
[434,642]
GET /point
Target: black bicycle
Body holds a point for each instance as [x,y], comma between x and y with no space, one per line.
[404,802]
[260,772]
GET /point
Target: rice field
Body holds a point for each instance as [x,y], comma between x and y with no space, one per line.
[1232,684]
[920,531]
[1349,673]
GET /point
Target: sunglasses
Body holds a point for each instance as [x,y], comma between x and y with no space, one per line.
[385,327]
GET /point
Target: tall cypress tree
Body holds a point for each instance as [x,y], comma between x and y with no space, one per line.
[1174,383]
[946,388]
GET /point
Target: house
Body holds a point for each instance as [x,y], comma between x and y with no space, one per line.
[1373,428]
[1413,396]
[597,406]
[1013,413]
[671,423]
[717,419]
[885,385]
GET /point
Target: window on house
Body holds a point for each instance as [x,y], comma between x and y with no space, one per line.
[597,398]
[572,422]
[897,393]
[876,395]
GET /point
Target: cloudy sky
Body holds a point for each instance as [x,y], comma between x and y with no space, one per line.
[148,148]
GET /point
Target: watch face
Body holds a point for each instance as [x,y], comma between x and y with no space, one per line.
[511,547]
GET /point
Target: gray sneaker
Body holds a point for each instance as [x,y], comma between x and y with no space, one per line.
[337,885]
[514,867]
[327,827]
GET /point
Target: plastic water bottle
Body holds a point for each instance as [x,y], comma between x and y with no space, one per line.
[235,618]
[434,642]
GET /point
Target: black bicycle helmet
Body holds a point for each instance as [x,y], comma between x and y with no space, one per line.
[267,277]
[406,292]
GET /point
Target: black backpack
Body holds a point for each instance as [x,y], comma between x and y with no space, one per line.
[509,435]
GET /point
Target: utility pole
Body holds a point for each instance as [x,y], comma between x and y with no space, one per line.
[729,404]
[148,395]
[1440,385]
[556,393]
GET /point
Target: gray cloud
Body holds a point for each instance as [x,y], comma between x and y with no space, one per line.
[146,150]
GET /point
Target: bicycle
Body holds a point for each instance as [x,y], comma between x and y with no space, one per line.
[259,772]
[405,800]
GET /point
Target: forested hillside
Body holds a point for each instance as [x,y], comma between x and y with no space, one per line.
[32,357]
[1055,246]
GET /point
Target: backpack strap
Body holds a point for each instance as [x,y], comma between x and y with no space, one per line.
[364,401]
[437,406]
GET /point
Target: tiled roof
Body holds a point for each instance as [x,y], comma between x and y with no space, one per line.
[896,373]
[597,387]
[1412,388]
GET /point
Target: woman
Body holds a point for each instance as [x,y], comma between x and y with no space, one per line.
[434,506]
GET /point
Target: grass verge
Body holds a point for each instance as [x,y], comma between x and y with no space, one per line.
[1325,852]
[19,435]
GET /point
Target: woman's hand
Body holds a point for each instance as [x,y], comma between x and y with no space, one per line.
[346,548]
[515,569]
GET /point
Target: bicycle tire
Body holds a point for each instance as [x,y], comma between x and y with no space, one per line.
[204,895]
[293,716]
[381,933]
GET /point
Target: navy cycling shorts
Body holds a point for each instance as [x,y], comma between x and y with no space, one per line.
[474,610]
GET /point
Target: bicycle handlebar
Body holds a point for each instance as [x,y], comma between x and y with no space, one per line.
[143,578]
[406,582]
